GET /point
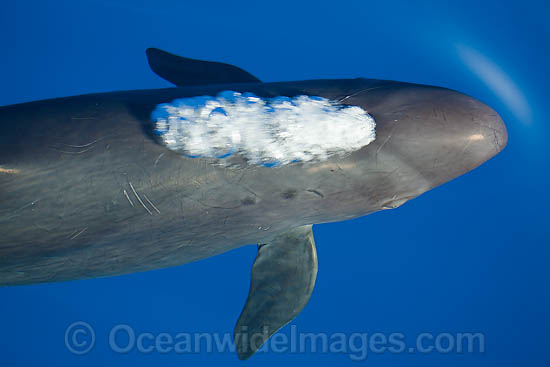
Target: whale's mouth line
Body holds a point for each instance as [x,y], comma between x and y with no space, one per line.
[263,131]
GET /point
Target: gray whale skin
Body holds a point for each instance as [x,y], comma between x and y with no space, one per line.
[87,190]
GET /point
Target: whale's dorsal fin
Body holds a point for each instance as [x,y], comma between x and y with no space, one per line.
[283,277]
[184,72]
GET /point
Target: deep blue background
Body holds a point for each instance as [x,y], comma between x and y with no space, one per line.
[471,255]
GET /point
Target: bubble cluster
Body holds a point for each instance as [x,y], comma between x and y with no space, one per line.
[269,132]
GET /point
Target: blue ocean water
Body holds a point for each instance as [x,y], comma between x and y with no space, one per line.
[468,257]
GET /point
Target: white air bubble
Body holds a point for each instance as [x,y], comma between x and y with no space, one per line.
[272,131]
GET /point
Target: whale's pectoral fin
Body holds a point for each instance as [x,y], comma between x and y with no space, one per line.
[184,72]
[283,277]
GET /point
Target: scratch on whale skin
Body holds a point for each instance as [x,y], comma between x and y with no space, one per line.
[78,233]
[10,171]
[139,199]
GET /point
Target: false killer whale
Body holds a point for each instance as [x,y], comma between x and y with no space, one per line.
[112,183]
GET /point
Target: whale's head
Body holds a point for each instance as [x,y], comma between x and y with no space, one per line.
[425,136]
[390,141]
